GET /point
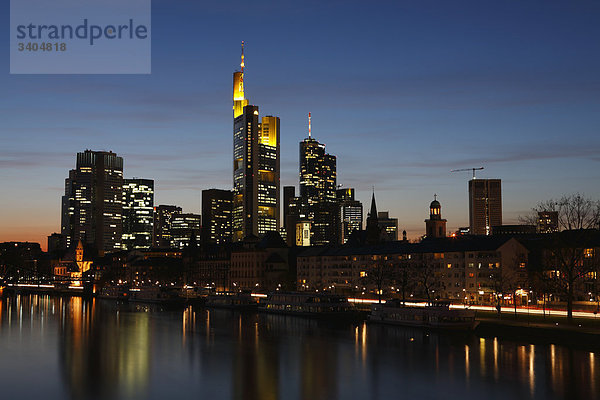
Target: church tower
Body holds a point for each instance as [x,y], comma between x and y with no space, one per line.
[435,226]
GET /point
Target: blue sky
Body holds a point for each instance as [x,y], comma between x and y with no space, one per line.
[401,92]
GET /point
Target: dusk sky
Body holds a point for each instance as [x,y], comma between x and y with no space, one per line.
[401,92]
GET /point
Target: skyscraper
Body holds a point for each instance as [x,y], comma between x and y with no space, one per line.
[138,209]
[163,220]
[485,205]
[255,166]
[318,190]
[183,227]
[92,205]
[351,213]
[317,170]
[216,213]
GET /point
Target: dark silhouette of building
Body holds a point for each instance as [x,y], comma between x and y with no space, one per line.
[547,222]
[92,205]
[485,205]
[513,230]
[435,226]
[388,225]
[217,206]
[138,210]
[263,264]
[373,230]
[163,219]
[289,192]
[56,243]
[255,166]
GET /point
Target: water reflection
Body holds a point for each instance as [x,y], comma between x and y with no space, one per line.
[100,350]
[105,353]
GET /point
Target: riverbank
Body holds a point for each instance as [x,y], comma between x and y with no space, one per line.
[581,332]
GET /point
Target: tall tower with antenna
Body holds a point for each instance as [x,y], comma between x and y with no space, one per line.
[255,166]
[239,98]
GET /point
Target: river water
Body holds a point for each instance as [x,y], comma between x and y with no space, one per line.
[71,348]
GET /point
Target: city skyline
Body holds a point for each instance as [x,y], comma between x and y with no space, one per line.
[399,111]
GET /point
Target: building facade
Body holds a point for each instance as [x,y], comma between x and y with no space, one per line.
[184,229]
[469,270]
[485,205]
[217,207]
[163,220]
[92,205]
[351,213]
[138,213]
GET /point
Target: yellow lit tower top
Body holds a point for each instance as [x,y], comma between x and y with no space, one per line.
[239,100]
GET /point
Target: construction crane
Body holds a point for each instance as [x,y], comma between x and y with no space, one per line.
[468,169]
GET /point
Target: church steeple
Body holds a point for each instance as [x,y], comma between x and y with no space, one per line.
[373,228]
[435,226]
[373,212]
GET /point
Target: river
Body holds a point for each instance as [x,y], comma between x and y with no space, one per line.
[72,348]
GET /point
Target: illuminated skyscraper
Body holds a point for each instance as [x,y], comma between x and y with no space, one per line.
[216,213]
[485,205]
[138,209]
[163,220]
[318,190]
[317,171]
[183,227]
[92,205]
[351,213]
[255,166]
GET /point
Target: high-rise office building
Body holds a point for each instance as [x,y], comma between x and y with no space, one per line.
[318,190]
[217,205]
[163,220]
[255,166]
[289,192]
[435,226]
[92,205]
[138,210]
[351,213]
[317,171]
[485,205]
[183,228]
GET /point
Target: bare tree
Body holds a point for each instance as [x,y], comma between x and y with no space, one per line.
[425,277]
[568,255]
[509,279]
[404,278]
[379,274]
[575,211]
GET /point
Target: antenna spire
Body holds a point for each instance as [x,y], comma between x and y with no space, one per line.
[309,124]
[242,63]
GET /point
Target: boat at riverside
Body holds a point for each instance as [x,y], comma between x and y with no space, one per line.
[157,295]
[114,292]
[233,300]
[308,304]
[437,315]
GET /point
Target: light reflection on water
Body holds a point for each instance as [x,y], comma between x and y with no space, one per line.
[61,347]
